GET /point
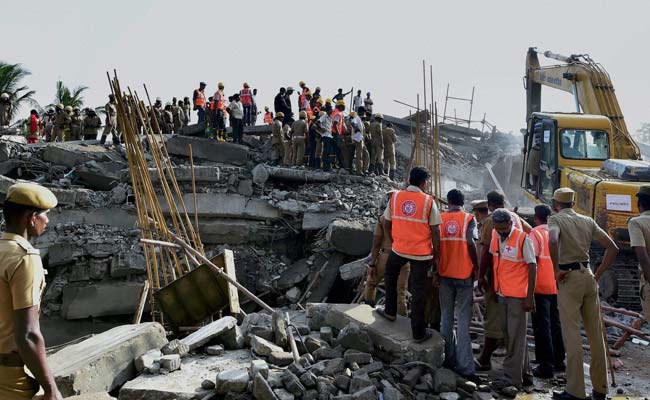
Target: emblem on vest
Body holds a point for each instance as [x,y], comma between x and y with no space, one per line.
[510,251]
[409,208]
[452,228]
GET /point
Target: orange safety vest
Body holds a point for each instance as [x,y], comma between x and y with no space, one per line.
[510,269]
[455,261]
[200,98]
[246,98]
[268,118]
[410,213]
[545,274]
[218,98]
[337,126]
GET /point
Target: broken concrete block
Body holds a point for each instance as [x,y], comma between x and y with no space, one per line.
[293,275]
[315,221]
[261,389]
[412,376]
[449,396]
[280,358]
[232,381]
[328,275]
[207,384]
[147,360]
[355,356]
[360,382]
[215,350]
[350,237]
[175,347]
[259,367]
[391,393]
[263,347]
[208,149]
[209,332]
[325,386]
[353,337]
[234,231]
[444,381]
[170,362]
[223,205]
[92,396]
[334,367]
[292,384]
[245,187]
[342,382]
[369,368]
[308,379]
[326,334]
[313,344]
[183,173]
[327,353]
[293,295]
[101,299]
[125,264]
[283,394]
[104,361]
[353,270]
[72,155]
[232,339]
[279,324]
[311,394]
[367,393]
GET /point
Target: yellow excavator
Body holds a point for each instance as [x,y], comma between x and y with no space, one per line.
[589,150]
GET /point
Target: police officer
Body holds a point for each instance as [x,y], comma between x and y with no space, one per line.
[22,281]
[377,145]
[639,228]
[276,138]
[389,139]
[570,237]
[76,124]
[61,123]
[111,119]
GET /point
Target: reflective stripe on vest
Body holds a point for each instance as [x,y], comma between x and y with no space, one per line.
[337,126]
[245,95]
[455,261]
[410,213]
[510,269]
[200,99]
[545,275]
[218,98]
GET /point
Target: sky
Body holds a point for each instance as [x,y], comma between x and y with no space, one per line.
[375,46]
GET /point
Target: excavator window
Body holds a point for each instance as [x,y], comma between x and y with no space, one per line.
[584,144]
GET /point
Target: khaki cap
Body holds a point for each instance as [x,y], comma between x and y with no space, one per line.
[644,191]
[31,195]
[302,114]
[479,204]
[564,195]
[279,114]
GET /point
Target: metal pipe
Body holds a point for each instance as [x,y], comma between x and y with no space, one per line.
[559,57]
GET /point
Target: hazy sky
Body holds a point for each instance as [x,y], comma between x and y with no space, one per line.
[371,45]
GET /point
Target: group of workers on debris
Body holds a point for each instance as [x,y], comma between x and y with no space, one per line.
[543,271]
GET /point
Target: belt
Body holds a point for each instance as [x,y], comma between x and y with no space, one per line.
[574,266]
[11,360]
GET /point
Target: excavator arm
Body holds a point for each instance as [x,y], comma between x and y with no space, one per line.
[592,91]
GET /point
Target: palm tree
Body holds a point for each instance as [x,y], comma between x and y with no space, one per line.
[10,77]
[67,97]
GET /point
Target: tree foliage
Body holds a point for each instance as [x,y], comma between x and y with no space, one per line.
[11,76]
[69,97]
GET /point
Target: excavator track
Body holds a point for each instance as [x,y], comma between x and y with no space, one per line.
[619,286]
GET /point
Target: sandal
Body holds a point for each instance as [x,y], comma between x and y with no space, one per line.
[382,312]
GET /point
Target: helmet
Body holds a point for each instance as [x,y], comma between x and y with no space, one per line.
[319,101]
[302,114]
[320,114]
[68,108]
[328,101]
[353,114]
[4,96]
[301,83]
[279,114]
[246,84]
[340,103]
[59,106]
[266,108]
[220,85]
[312,117]
[289,89]
[379,116]
[317,88]
[168,104]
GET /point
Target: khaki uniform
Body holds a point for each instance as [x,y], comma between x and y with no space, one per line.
[91,125]
[76,122]
[168,122]
[389,138]
[370,290]
[5,112]
[639,228]
[111,121]
[177,113]
[62,126]
[22,281]
[376,144]
[299,132]
[287,146]
[276,140]
[578,300]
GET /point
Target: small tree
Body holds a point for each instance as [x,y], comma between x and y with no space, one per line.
[67,97]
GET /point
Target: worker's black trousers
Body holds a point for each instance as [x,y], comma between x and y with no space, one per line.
[549,347]
[417,287]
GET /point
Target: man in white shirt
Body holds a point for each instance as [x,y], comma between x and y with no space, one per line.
[367,102]
[357,101]
[237,115]
[357,140]
[325,129]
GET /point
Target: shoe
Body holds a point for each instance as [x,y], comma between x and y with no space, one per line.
[482,367]
[382,312]
[598,396]
[427,335]
[539,372]
[565,396]
[527,380]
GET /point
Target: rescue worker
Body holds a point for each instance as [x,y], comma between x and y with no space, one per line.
[198,97]
[6,109]
[314,99]
[639,228]
[48,123]
[303,95]
[492,323]
[534,157]
[237,119]
[549,347]
[91,125]
[481,212]
[368,103]
[186,110]
[389,139]
[357,101]
[209,113]
[515,271]
[413,221]
[305,104]
[457,270]
[276,138]
[570,238]
[168,119]
[381,245]
[268,116]
[278,101]
[356,127]
[110,124]
[324,125]
[220,105]
[177,114]
[377,145]
[286,101]
[76,122]
[246,97]
[299,131]
[61,123]
[22,281]
[338,132]
[254,111]
[315,144]
[340,95]
[286,143]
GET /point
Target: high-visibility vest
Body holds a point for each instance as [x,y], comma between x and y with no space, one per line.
[213,105]
[337,126]
[545,274]
[510,268]
[268,118]
[455,261]
[218,98]
[246,98]
[199,101]
[411,232]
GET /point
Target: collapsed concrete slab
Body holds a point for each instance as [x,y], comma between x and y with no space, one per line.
[112,216]
[315,221]
[263,173]
[72,155]
[392,338]
[185,383]
[327,275]
[208,149]
[102,299]
[234,231]
[222,205]
[102,175]
[353,270]
[209,332]
[350,237]
[183,173]
[104,361]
